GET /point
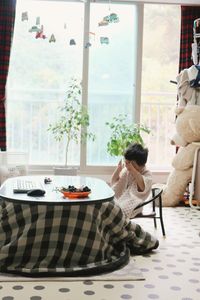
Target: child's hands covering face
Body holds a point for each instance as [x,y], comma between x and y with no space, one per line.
[132,166]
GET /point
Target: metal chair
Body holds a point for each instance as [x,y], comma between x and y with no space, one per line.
[156,200]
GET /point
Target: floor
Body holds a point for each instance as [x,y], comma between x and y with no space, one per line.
[171,272]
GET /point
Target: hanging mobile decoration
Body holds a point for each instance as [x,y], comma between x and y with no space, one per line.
[40,34]
[103,23]
[91,36]
[37,21]
[88,44]
[91,39]
[104,40]
[111,18]
[72,42]
[25,16]
[34,28]
[52,39]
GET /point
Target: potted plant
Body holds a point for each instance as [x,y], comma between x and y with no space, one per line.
[74,120]
[123,134]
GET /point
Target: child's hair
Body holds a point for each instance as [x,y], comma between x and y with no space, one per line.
[137,153]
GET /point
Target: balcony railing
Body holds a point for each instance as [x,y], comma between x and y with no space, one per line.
[30,114]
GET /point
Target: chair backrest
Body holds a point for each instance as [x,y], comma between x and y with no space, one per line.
[155,193]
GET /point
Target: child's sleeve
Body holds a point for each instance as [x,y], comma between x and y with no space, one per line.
[148,180]
[119,186]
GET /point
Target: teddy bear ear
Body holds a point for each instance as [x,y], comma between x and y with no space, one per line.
[179,110]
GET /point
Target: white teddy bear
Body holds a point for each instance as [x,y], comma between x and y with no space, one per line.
[188,131]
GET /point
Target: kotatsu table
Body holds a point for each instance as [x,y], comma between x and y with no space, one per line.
[52,235]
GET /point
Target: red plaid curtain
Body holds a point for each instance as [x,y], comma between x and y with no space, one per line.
[188,15]
[7,17]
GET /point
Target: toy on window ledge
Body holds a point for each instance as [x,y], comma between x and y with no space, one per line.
[25,16]
[52,39]
[40,34]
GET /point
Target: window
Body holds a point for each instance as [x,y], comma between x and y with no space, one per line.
[108,63]
[159,66]
[38,76]
[112,74]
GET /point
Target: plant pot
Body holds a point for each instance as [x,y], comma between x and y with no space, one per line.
[70,171]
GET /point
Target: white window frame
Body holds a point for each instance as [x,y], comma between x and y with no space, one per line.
[84,168]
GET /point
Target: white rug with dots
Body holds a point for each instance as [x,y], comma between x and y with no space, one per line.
[171,272]
[127,273]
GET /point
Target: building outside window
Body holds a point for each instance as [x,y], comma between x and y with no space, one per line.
[107,59]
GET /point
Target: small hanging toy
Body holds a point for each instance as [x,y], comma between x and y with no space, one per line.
[52,39]
[37,21]
[112,18]
[25,16]
[104,40]
[88,44]
[34,28]
[91,39]
[91,36]
[103,23]
[40,34]
[72,42]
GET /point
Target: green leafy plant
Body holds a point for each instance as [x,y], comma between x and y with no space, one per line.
[74,120]
[123,134]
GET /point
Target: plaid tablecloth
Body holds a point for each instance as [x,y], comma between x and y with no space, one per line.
[66,240]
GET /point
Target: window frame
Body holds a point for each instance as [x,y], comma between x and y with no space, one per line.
[84,168]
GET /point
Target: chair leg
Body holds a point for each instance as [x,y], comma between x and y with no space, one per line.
[154,219]
[161,216]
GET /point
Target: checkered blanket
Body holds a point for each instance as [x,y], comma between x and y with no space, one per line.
[67,240]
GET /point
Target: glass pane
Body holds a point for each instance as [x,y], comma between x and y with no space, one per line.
[40,69]
[160,65]
[111,73]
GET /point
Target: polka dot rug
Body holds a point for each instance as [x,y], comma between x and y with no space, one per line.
[172,272]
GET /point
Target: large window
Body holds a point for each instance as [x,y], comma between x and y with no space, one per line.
[106,59]
[160,61]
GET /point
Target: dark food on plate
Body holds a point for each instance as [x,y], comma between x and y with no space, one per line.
[73,189]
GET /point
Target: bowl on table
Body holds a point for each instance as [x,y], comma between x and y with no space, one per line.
[73,195]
